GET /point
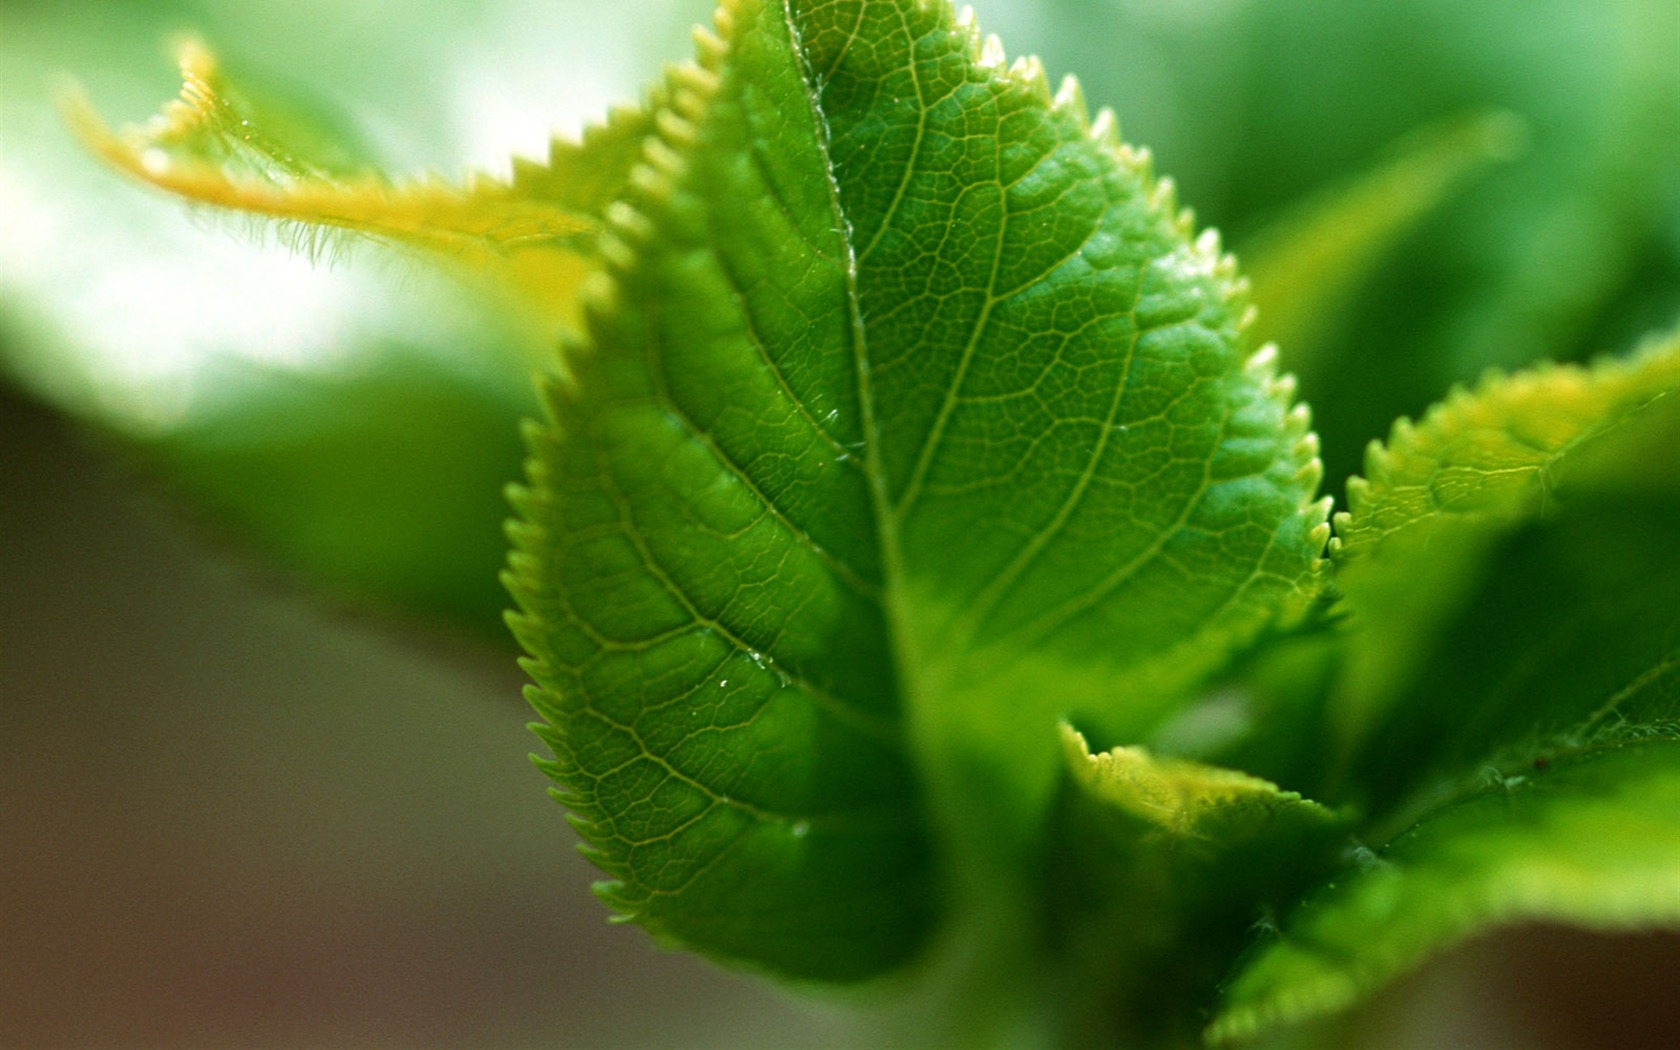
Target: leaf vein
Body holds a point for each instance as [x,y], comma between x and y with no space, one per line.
[849,712]
[999,585]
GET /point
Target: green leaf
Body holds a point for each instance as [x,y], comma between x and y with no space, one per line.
[1494,454]
[1568,632]
[1590,837]
[914,417]
[1158,869]
[536,232]
[1512,572]
[1254,107]
[1420,526]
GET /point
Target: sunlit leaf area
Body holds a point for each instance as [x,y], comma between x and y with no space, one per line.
[1183,557]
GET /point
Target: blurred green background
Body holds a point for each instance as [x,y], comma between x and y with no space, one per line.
[261,753]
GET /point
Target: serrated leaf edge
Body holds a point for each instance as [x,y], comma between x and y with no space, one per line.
[1655,365]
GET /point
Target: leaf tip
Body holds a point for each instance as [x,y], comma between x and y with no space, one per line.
[709,45]
[1322,535]
[1105,132]
[1028,72]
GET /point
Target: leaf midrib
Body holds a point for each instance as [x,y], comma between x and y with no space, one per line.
[886,525]
[891,513]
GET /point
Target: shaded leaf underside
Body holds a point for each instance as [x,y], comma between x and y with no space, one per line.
[1572,633]
[1158,869]
[913,417]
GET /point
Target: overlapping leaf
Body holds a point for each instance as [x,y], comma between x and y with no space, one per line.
[1571,630]
[1412,546]
[1565,655]
[914,417]
[1159,868]
[1591,838]
[1525,650]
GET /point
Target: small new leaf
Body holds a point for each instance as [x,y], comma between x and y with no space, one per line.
[1158,868]
[1188,800]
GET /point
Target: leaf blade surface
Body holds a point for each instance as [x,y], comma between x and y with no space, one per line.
[706,542]
[1093,488]
[1421,529]
[911,391]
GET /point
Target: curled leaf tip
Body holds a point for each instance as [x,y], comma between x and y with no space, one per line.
[536,233]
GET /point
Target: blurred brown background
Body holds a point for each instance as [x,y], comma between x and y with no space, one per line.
[230,816]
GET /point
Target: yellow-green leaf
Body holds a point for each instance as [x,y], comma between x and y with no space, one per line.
[1184,799]
[1494,453]
[212,147]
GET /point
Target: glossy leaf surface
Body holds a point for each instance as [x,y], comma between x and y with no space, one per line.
[915,415]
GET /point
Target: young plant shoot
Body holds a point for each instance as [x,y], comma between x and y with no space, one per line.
[924,572]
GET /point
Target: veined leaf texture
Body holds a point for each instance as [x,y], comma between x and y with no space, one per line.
[906,434]
[914,416]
